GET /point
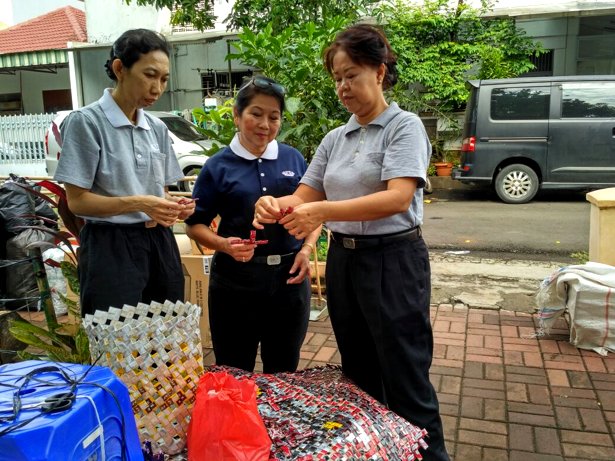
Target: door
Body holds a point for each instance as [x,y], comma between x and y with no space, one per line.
[57,100]
[513,123]
[582,134]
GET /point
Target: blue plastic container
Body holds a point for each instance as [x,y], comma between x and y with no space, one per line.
[74,434]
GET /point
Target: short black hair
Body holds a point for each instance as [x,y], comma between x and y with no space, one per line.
[133,43]
[365,45]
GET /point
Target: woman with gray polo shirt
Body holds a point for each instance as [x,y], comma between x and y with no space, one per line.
[116,164]
[365,181]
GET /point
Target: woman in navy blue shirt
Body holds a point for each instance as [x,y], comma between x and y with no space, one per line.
[258,292]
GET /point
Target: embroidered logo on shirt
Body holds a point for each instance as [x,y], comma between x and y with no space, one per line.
[290,174]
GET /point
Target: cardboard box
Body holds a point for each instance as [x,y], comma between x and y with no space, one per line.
[196,275]
[198,249]
[188,246]
[196,283]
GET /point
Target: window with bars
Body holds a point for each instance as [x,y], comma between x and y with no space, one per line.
[218,82]
[543,65]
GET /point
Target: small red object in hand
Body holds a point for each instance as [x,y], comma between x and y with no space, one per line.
[185,201]
[252,240]
[286,211]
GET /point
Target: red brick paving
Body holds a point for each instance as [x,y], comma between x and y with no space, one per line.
[504,394]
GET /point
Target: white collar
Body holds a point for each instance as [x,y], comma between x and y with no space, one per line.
[271,152]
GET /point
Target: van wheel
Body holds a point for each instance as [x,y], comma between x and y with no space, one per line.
[516,184]
[187,186]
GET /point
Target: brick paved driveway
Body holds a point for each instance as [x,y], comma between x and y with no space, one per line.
[504,395]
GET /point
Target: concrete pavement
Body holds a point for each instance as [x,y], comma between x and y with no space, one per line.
[486,282]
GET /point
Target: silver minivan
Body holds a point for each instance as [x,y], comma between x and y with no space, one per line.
[523,134]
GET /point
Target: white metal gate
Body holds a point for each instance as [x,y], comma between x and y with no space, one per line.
[22,144]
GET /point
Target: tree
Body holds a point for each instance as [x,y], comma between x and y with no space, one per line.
[293,57]
[441,45]
[256,14]
[198,13]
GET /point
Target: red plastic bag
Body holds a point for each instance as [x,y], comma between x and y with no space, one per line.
[225,423]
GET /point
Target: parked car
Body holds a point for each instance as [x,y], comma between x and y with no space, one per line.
[188,143]
[524,134]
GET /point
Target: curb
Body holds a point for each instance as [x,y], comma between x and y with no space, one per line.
[447,182]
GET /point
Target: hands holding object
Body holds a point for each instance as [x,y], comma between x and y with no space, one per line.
[251,241]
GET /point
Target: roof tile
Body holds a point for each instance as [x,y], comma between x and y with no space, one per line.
[49,31]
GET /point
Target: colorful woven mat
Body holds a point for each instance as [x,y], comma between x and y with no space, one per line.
[318,414]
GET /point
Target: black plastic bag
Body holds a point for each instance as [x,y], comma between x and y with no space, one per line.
[19,207]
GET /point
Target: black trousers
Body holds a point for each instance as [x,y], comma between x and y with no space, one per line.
[378,300]
[251,303]
[126,265]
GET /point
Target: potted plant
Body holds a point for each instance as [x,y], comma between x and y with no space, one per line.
[443,168]
[444,160]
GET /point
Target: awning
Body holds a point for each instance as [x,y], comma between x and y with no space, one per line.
[32,60]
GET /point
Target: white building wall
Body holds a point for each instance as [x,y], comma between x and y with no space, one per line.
[37,82]
[31,86]
[6,13]
[108,19]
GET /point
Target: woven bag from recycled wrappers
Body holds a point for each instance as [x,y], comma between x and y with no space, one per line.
[155,349]
[318,414]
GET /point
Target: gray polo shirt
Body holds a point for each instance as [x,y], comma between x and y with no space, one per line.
[354,161]
[102,151]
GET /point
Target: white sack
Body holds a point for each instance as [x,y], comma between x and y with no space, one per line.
[588,292]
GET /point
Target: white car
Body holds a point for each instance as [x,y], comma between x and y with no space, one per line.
[189,145]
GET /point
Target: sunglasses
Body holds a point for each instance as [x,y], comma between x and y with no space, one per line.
[260,82]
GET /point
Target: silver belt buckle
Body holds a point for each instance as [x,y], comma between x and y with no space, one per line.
[274,260]
[348,243]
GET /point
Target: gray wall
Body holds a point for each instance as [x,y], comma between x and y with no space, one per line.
[581,45]
[188,61]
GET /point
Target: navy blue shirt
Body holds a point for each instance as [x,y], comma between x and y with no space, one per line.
[229,185]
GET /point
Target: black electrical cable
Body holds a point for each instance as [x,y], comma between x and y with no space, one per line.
[31,376]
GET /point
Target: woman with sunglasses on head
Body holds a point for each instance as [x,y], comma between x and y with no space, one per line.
[117,162]
[365,181]
[259,292]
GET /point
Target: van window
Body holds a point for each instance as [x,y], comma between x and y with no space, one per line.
[520,103]
[588,100]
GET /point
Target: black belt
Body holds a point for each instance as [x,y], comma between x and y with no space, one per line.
[141,225]
[273,260]
[355,242]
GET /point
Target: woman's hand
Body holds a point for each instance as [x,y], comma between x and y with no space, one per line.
[301,268]
[242,252]
[304,219]
[162,210]
[189,206]
[266,211]
[270,210]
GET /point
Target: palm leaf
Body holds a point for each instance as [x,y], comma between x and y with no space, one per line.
[37,193]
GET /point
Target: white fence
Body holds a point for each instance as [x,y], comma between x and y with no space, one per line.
[22,144]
